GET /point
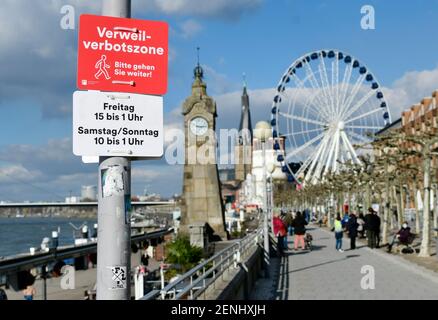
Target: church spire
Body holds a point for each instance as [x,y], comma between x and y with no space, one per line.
[244,82]
[245,118]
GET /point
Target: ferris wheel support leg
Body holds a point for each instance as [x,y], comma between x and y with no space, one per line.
[335,161]
[330,156]
[350,148]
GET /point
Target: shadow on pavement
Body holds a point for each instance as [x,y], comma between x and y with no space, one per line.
[325,263]
[281,289]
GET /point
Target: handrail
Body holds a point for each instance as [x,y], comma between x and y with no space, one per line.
[195,281]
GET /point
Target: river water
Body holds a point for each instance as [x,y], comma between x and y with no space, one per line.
[17,235]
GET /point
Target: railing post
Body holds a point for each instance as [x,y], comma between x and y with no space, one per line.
[191,289]
[237,261]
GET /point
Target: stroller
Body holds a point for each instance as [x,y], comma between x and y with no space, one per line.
[308,241]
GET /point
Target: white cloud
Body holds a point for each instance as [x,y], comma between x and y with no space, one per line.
[217,82]
[410,89]
[190,28]
[17,172]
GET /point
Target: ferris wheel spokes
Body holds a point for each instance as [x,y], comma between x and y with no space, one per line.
[362,115]
[292,117]
[325,87]
[346,83]
[353,93]
[321,99]
[359,104]
[317,156]
[302,132]
[304,146]
[329,110]
[363,127]
[300,85]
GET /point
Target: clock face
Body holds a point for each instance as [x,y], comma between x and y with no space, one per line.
[199,126]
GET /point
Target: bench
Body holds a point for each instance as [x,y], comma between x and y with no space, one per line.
[403,247]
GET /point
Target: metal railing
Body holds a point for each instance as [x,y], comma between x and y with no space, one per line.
[28,262]
[196,281]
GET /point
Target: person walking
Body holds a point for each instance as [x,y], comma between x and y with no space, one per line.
[299,225]
[377,229]
[339,233]
[285,222]
[288,221]
[371,225]
[361,226]
[352,226]
[280,232]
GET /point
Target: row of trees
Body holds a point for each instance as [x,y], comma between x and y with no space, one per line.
[395,168]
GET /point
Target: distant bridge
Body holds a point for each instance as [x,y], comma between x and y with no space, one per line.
[79,204]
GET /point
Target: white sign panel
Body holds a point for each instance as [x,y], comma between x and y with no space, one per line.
[117,124]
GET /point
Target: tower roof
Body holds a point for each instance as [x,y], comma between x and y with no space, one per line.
[199,87]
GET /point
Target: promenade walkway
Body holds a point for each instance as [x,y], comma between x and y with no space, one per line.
[328,274]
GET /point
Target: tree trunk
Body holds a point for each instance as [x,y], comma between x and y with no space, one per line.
[425,243]
[329,211]
[392,198]
[435,209]
[399,207]
[341,203]
[402,201]
[417,212]
[368,198]
[386,207]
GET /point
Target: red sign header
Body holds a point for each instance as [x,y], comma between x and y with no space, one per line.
[122,55]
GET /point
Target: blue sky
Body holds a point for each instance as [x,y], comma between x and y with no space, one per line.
[258,37]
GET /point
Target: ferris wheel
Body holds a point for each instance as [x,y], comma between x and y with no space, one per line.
[326,103]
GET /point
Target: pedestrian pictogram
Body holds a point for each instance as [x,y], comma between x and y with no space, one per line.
[102,67]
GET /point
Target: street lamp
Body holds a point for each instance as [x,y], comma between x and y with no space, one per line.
[262,132]
[270,167]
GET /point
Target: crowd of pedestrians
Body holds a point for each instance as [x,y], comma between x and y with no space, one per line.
[354,226]
[293,224]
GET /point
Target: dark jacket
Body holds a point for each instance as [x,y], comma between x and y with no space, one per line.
[405,234]
[299,225]
[372,222]
[352,226]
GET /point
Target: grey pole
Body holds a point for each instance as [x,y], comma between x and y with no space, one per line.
[114,227]
[265,216]
[117,8]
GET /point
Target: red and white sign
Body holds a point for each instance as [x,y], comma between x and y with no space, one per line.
[122,55]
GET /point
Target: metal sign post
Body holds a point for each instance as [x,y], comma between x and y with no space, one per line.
[114,228]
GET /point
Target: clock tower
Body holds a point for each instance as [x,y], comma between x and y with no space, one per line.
[201,200]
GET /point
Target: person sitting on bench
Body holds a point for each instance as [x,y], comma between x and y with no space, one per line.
[403,236]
